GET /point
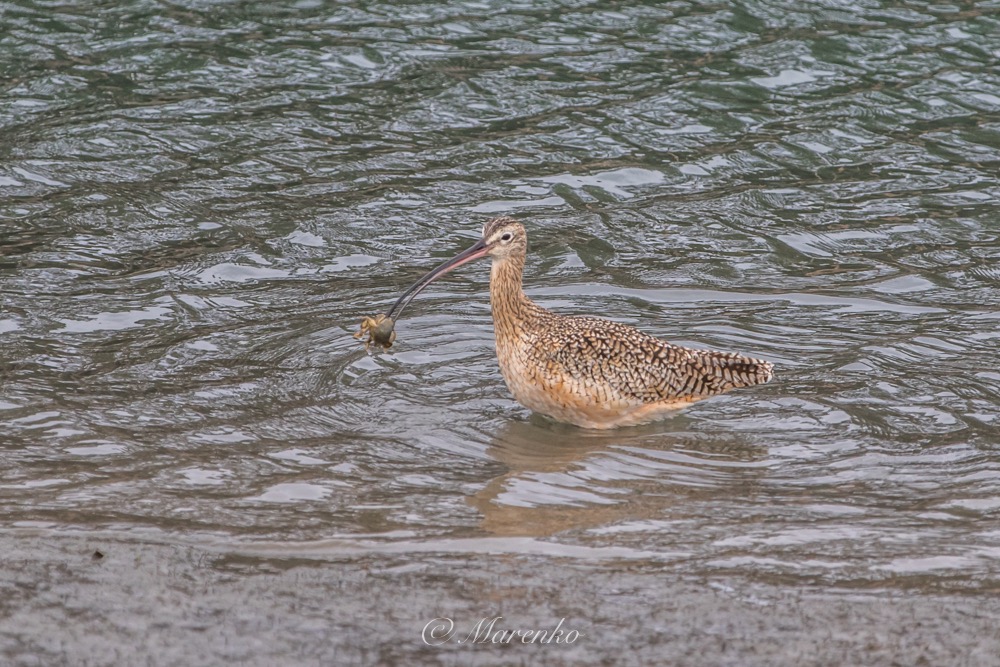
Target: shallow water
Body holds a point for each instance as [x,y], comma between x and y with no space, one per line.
[198,203]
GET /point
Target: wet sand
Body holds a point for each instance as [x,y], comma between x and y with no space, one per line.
[143,603]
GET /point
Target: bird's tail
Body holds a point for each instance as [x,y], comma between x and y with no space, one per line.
[719,372]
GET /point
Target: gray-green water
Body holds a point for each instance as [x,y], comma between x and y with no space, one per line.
[199,201]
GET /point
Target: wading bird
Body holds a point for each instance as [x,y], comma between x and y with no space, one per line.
[587,371]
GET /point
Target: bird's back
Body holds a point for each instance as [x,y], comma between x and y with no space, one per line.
[600,373]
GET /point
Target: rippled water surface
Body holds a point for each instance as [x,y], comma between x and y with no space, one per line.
[199,201]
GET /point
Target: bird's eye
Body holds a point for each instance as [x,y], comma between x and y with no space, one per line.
[506,237]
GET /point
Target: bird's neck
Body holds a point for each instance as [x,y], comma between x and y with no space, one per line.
[508,301]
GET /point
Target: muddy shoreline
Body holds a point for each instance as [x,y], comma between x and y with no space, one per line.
[161,604]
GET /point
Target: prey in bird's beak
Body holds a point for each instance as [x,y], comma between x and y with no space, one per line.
[380,328]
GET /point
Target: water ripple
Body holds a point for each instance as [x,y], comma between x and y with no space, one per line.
[198,210]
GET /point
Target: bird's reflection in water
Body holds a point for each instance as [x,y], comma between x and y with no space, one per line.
[561,478]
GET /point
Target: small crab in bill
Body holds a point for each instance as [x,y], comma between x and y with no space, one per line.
[379,329]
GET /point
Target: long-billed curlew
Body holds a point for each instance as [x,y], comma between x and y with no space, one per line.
[583,370]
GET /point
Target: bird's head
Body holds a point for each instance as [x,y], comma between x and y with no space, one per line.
[502,239]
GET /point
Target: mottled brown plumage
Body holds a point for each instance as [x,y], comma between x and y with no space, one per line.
[589,371]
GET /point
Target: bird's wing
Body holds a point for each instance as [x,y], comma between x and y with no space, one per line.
[645,369]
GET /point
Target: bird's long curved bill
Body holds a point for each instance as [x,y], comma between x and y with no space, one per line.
[475,252]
